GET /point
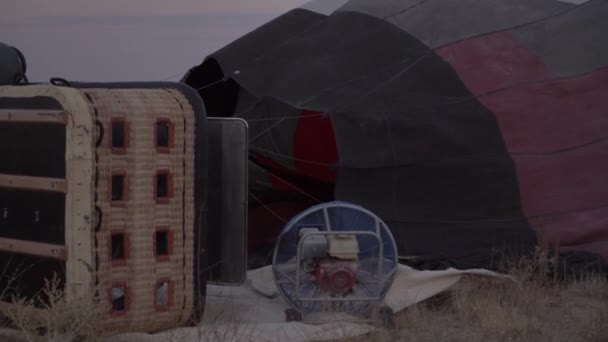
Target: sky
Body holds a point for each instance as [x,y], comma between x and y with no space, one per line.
[127,40]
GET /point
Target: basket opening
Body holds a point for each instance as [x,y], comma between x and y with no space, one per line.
[162,186]
[119,248]
[164,135]
[163,189]
[162,293]
[119,135]
[119,294]
[162,243]
[163,297]
[118,187]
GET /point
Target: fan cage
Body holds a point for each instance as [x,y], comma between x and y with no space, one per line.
[377,259]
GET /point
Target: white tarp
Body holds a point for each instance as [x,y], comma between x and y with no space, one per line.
[255,311]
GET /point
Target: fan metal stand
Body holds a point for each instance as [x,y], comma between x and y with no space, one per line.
[375,278]
[380,315]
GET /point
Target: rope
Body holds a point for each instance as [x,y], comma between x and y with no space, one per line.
[297,189]
[213,83]
[172,76]
[562,150]
[248,109]
[405,10]
[293,117]
[285,156]
[267,208]
[266,130]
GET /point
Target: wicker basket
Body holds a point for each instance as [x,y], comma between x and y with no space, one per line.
[128,192]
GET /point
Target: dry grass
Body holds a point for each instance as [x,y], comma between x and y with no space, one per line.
[498,311]
[54,318]
[537,308]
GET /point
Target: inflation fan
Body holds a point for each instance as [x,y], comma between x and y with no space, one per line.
[335,257]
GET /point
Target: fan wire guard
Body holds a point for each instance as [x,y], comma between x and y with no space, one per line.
[377,259]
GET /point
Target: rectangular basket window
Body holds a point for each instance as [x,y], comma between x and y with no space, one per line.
[163,294]
[119,134]
[163,186]
[119,296]
[119,188]
[164,131]
[163,243]
[119,247]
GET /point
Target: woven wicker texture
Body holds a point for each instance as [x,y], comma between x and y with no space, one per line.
[139,215]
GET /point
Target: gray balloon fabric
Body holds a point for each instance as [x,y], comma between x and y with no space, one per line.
[452,120]
[12,65]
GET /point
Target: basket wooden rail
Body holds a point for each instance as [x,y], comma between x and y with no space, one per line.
[33,183]
[34,116]
[34,248]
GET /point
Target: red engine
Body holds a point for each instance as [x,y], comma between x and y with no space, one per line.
[336,277]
